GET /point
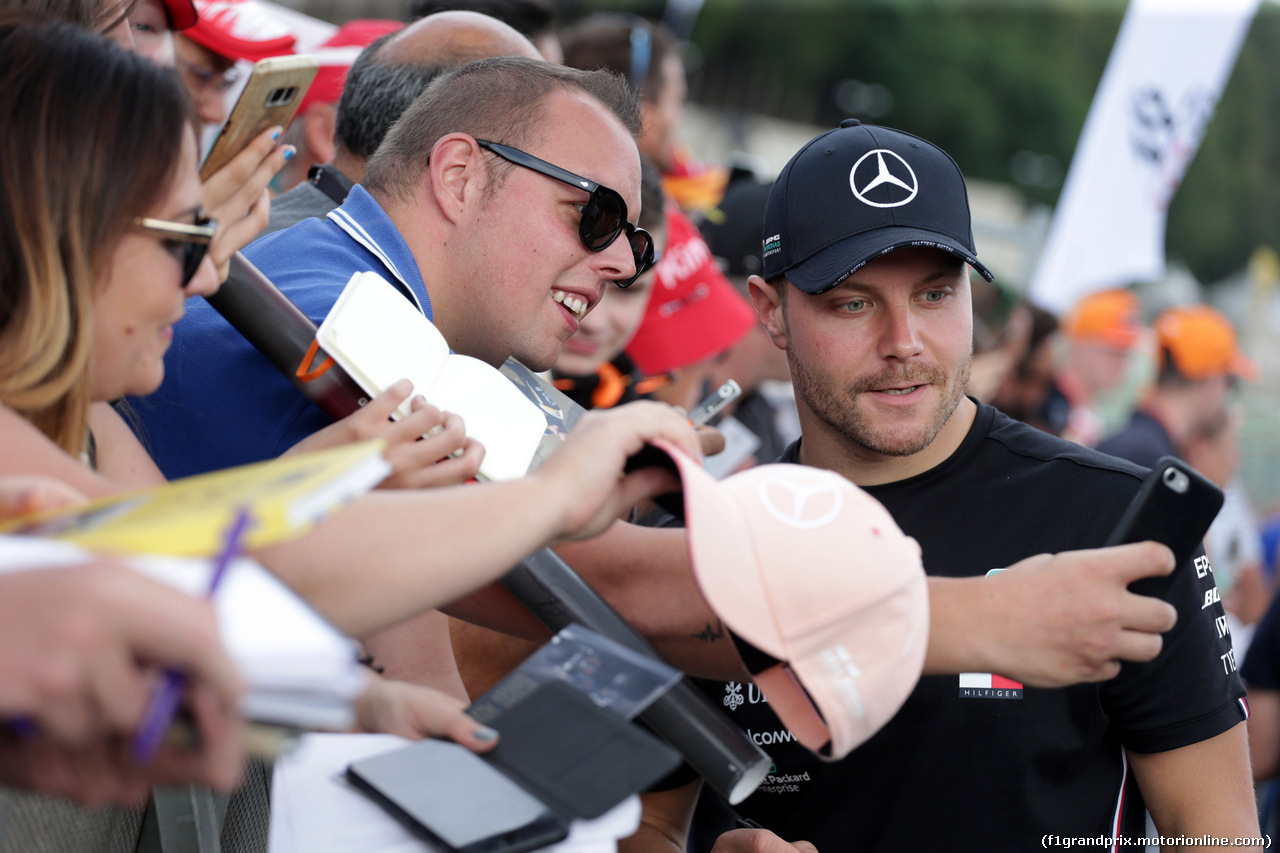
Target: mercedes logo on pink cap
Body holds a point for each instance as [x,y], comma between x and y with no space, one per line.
[799,504]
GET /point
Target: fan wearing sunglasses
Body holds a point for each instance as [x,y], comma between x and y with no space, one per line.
[157,264]
[604,214]
[94,267]
[134,241]
[502,205]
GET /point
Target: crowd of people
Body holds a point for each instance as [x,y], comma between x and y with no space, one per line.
[523,186]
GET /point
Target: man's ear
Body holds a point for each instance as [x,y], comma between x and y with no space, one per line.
[456,174]
[768,304]
[317,128]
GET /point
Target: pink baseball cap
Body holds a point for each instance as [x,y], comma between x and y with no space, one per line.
[336,55]
[813,571]
[241,29]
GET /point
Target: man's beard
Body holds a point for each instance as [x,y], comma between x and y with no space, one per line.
[837,407]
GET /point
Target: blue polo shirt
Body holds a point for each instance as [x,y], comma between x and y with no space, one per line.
[224,404]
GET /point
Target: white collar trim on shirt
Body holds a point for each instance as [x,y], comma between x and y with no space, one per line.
[357,232]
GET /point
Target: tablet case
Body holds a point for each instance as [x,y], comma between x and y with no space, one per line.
[580,759]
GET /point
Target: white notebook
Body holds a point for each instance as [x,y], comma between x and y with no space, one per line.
[298,669]
[379,338]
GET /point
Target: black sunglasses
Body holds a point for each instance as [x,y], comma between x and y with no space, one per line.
[193,236]
[604,216]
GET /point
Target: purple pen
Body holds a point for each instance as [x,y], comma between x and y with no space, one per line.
[164,701]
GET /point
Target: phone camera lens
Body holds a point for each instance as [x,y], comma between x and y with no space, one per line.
[1176,480]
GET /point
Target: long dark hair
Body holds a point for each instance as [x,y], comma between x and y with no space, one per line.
[90,138]
[100,16]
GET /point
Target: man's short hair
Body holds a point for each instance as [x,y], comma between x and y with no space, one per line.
[781,285]
[375,95]
[502,99]
[607,40]
[653,200]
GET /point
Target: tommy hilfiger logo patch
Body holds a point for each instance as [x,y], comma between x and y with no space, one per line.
[985,685]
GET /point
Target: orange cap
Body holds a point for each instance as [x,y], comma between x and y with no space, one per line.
[1110,317]
[1202,343]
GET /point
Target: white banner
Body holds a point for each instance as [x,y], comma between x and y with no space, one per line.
[1166,73]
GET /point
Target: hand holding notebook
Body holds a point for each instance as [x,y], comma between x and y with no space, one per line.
[379,338]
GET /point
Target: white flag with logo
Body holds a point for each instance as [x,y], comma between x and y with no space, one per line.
[1166,73]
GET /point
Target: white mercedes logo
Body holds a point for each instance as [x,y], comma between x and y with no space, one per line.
[878,172]
[800,504]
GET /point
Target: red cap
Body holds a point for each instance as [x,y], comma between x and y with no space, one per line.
[182,13]
[337,54]
[241,29]
[694,312]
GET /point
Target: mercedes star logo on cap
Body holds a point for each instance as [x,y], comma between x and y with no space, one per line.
[812,504]
[879,168]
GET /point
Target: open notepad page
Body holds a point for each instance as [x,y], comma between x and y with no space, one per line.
[379,338]
[299,670]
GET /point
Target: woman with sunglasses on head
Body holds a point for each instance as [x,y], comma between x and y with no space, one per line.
[97,207]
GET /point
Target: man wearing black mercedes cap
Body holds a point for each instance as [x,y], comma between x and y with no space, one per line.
[867,255]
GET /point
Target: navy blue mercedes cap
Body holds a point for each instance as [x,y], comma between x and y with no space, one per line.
[856,193]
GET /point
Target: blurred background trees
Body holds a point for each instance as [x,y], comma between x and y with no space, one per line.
[1003,86]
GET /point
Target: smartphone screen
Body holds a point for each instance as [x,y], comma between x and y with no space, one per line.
[451,795]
